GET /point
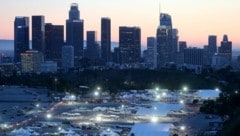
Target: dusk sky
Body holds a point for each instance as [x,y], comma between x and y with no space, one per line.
[195,19]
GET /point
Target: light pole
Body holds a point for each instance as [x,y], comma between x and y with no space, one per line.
[38,105]
[98,88]
[185,89]
[182,129]
[97,92]
[122,107]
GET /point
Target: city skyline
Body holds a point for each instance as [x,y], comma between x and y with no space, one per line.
[202,20]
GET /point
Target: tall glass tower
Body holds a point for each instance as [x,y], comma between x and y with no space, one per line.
[38,33]
[165,47]
[21,37]
[74,13]
[75,33]
[130,44]
[166,20]
[106,39]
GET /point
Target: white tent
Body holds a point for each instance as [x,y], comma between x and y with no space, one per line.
[23,132]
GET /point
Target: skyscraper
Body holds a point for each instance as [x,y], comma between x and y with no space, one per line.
[106,39]
[75,32]
[54,37]
[226,48]
[166,46]
[31,61]
[92,46]
[212,43]
[130,44]
[174,45]
[150,51]
[182,46]
[179,58]
[74,13]
[193,56]
[21,36]
[162,54]
[166,20]
[38,33]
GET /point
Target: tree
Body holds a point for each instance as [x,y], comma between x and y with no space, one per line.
[132,134]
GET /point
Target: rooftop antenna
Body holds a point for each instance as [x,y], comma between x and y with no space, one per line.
[159,7]
[159,11]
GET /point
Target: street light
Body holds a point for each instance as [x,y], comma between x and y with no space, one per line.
[181,102]
[5,125]
[164,94]
[73,97]
[37,105]
[217,89]
[157,88]
[96,93]
[59,128]
[154,119]
[155,108]
[98,88]
[158,96]
[185,89]
[49,116]
[98,118]
[182,128]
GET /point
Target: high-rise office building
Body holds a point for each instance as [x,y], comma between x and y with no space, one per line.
[166,47]
[174,46]
[193,56]
[166,20]
[75,32]
[179,58]
[150,51]
[162,54]
[92,46]
[182,46]
[210,49]
[106,39]
[74,13]
[21,37]
[212,43]
[226,48]
[38,33]
[208,54]
[31,61]
[130,44]
[54,38]
[67,57]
